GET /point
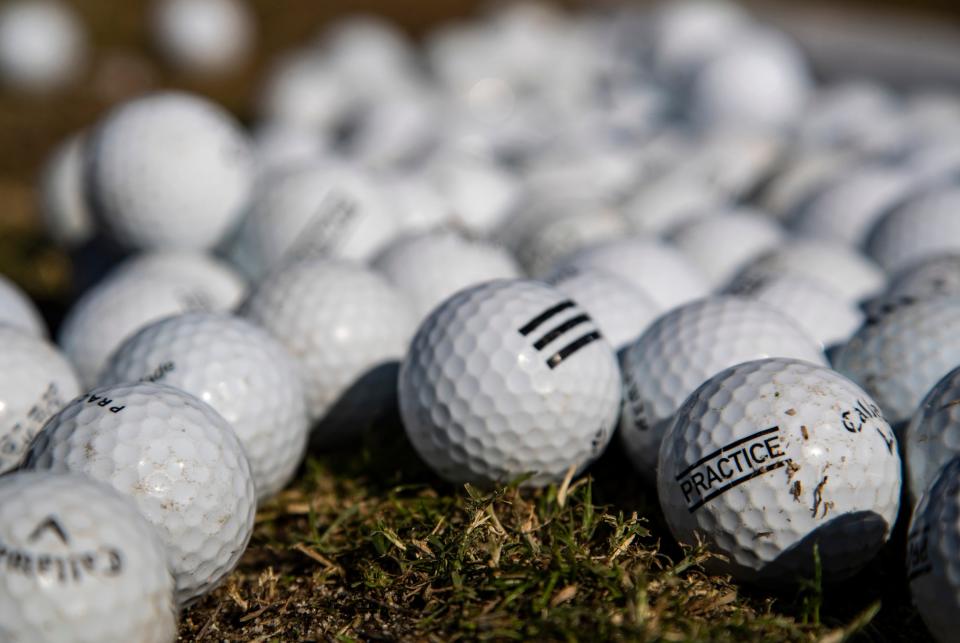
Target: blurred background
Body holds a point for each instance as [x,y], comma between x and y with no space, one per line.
[903,44]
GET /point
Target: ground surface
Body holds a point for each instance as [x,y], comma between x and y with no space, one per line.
[367,544]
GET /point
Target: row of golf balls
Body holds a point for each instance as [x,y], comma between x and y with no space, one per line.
[504,378]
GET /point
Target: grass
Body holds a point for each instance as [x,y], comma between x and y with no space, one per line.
[368,545]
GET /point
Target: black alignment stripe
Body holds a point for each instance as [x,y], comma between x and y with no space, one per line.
[560,330]
[531,325]
[732,445]
[738,481]
[572,348]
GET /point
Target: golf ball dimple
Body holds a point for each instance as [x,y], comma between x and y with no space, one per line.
[508,378]
[901,355]
[81,564]
[239,370]
[770,458]
[177,459]
[687,346]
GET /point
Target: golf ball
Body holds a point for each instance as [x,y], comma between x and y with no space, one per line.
[507,378]
[80,564]
[176,458]
[773,457]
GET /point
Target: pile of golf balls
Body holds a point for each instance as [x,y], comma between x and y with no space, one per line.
[535,231]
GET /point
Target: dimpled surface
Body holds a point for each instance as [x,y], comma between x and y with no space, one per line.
[123,304]
[806,458]
[720,244]
[923,227]
[169,170]
[432,266]
[16,309]
[901,355]
[658,269]
[686,347]
[479,399]
[846,271]
[621,310]
[311,211]
[36,381]
[933,436]
[348,329]
[933,566]
[125,595]
[239,370]
[930,279]
[176,458]
[822,313]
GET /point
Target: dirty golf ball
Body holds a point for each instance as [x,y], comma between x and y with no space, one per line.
[770,458]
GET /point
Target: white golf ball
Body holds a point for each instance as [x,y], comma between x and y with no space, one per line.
[432,266]
[544,233]
[302,91]
[760,80]
[203,37]
[922,227]
[932,545]
[821,312]
[63,200]
[348,328]
[42,45]
[480,194]
[36,381]
[846,208]
[314,211]
[621,310]
[507,378]
[686,347]
[133,297]
[901,355]
[841,267]
[16,309]
[169,170]
[80,564]
[669,199]
[929,279]
[239,370]
[658,269]
[932,437]
[771,458]
[176,458]
[723,242]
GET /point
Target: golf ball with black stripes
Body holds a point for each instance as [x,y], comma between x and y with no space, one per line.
[507,378]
